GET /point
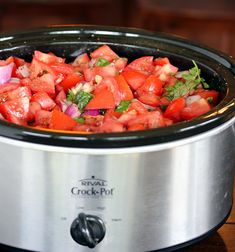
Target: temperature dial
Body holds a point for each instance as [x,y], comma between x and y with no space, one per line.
[88,230]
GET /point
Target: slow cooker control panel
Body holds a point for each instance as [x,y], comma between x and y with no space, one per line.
[88,230]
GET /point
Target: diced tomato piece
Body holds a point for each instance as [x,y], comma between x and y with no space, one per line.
[124,89]
[174,109]
[43,118]
[104,52]
[62,68]
[134,79]
[47,58]
[38,69]
[61,121]
[195,109]
[207,94]
[44,100]
[161,61]
[45,83]
[149,99]
[89,74]
[19,92]
[120,64]
[143,65]
[111,125]
[105,71]
[137,126]
[165,72]
[138,107]
[33,108]
[8,87]
[152,85]
[111,84]
[152,119]
[18,108]
[81,62]
[70,81]
[102,100]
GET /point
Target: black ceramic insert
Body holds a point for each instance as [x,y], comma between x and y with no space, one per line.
[70,41]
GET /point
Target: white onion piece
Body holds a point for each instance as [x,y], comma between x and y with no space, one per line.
[14,80]
[23,70]
[192,98]
[5,73]
[181,73]
[72,111]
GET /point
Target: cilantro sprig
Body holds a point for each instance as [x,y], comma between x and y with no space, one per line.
[101,62]
[190,81]
[123,106]
[80,98]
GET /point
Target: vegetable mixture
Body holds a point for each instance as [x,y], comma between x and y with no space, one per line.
[100,92]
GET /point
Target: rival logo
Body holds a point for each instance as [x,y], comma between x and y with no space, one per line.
[92,187]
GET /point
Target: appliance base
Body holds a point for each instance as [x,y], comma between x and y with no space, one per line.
[4,248]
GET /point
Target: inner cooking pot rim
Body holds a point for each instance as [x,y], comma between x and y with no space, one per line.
[224,111]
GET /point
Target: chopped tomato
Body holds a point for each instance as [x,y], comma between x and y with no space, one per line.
[8,87]
[61,121]
[174,109]
[81,62]
[104,52]
[194,109]
[143,65]
[134,79]
[102,100]
[17,108]
[38,69]
[62,68]
[43,118]
[47,58]
[70,81]
[44,100]
[207,94]
[124,89]
[152,85]
[138,107]
[161,61]
[150,99]
[120,64]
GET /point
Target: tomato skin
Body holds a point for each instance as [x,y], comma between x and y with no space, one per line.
[174,109]
[143,65]
[17,108]
[104,52]
[43,118]
[44,100]
[102,100]
[134,79]
[161,61]
[138,107]
[120,64]
[47,58]
[195,109]
[149,99]
[70,81]
[111,125]
[62,68]
[61,121]
[151,85]
[124,89]
[38,69]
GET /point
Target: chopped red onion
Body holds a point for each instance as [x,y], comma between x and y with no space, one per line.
[72,111]
[91,112]
[5,73]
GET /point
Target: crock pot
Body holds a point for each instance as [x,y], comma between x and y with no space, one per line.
[158,189]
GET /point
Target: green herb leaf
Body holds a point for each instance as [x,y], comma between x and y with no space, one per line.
[80,120]
[102,62]
[210,99]
[123,105]
[71,96]
[190,81]
[82,98]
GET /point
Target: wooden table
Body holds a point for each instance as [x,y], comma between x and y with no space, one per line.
[221,241]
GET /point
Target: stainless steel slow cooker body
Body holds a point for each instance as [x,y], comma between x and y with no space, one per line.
[140,191]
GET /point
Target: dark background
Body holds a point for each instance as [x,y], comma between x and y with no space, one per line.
[211,22]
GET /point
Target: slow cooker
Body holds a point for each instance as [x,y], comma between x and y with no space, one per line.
[159,189]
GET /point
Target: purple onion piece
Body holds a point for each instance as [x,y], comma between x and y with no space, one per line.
[5,73]
[91,112]
[72,111]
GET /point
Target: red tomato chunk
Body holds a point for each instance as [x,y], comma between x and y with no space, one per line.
[100,92]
